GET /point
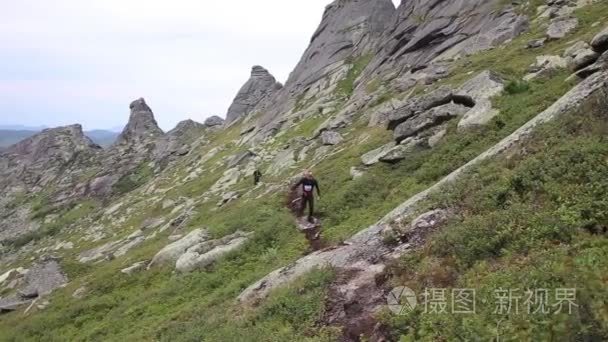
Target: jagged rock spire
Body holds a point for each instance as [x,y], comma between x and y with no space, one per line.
[348,27]
[260,85]
[141,126]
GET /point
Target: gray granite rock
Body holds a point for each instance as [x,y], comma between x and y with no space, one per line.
[561,27]
[600,41]
[261,84]
[214,121]
[331,138]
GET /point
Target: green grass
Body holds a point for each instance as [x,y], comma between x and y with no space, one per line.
[533,220]
[160,305]
[346,86]
[138,177]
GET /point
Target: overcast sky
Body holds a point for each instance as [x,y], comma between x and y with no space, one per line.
[75,61]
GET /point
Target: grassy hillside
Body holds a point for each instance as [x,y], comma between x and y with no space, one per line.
[534,218]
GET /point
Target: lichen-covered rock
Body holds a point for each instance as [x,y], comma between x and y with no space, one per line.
[175,250]
[142,128]
[561,27]
[214,121]
[402,151]
[419,104]
[481,89]
[136,267]
[600,41]
[206,253]
[545,66]
[331,138]
[43,278]
[178,141]
[373,157]
[430,118]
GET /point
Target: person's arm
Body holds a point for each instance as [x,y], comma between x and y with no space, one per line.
[298,183]
[317,186]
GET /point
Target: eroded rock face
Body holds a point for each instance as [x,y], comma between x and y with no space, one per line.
[261,84]
[348,27]
[40,280]
[214,121]
[142,128]
[424,30]
[41,159]
[179,141]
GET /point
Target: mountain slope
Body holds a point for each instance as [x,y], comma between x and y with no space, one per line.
[156,244]
[9,137]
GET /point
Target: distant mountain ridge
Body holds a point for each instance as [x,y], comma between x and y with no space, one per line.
[10,136]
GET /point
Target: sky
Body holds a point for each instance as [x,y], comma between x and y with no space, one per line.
[75,61]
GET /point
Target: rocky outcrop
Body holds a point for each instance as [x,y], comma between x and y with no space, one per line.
[331,138]
[261,84]
[214,121]
[175,250]
[373,157]
[430,118]
[481,89]
[41,159]
[402,151]
[427,30]
[178,142]
[40,280]
[141,129]
[206,253]
[419,104]
[471,101]
[600,41]
[369,244]
[561,27]
[348,28]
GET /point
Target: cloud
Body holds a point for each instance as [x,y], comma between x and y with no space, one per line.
[67,61]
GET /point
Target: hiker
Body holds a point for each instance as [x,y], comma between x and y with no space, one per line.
[308,183]
[257,175]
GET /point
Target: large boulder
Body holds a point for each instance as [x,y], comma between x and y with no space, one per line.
[561,27]
[173,251]
[206,253]
[580,55]
[599,65]
[43,278]
[420,104]
[481,89]
[600,41]
[373,157]
[214,121]
[331,138]
[402,151]
[546,65]
[432,117]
